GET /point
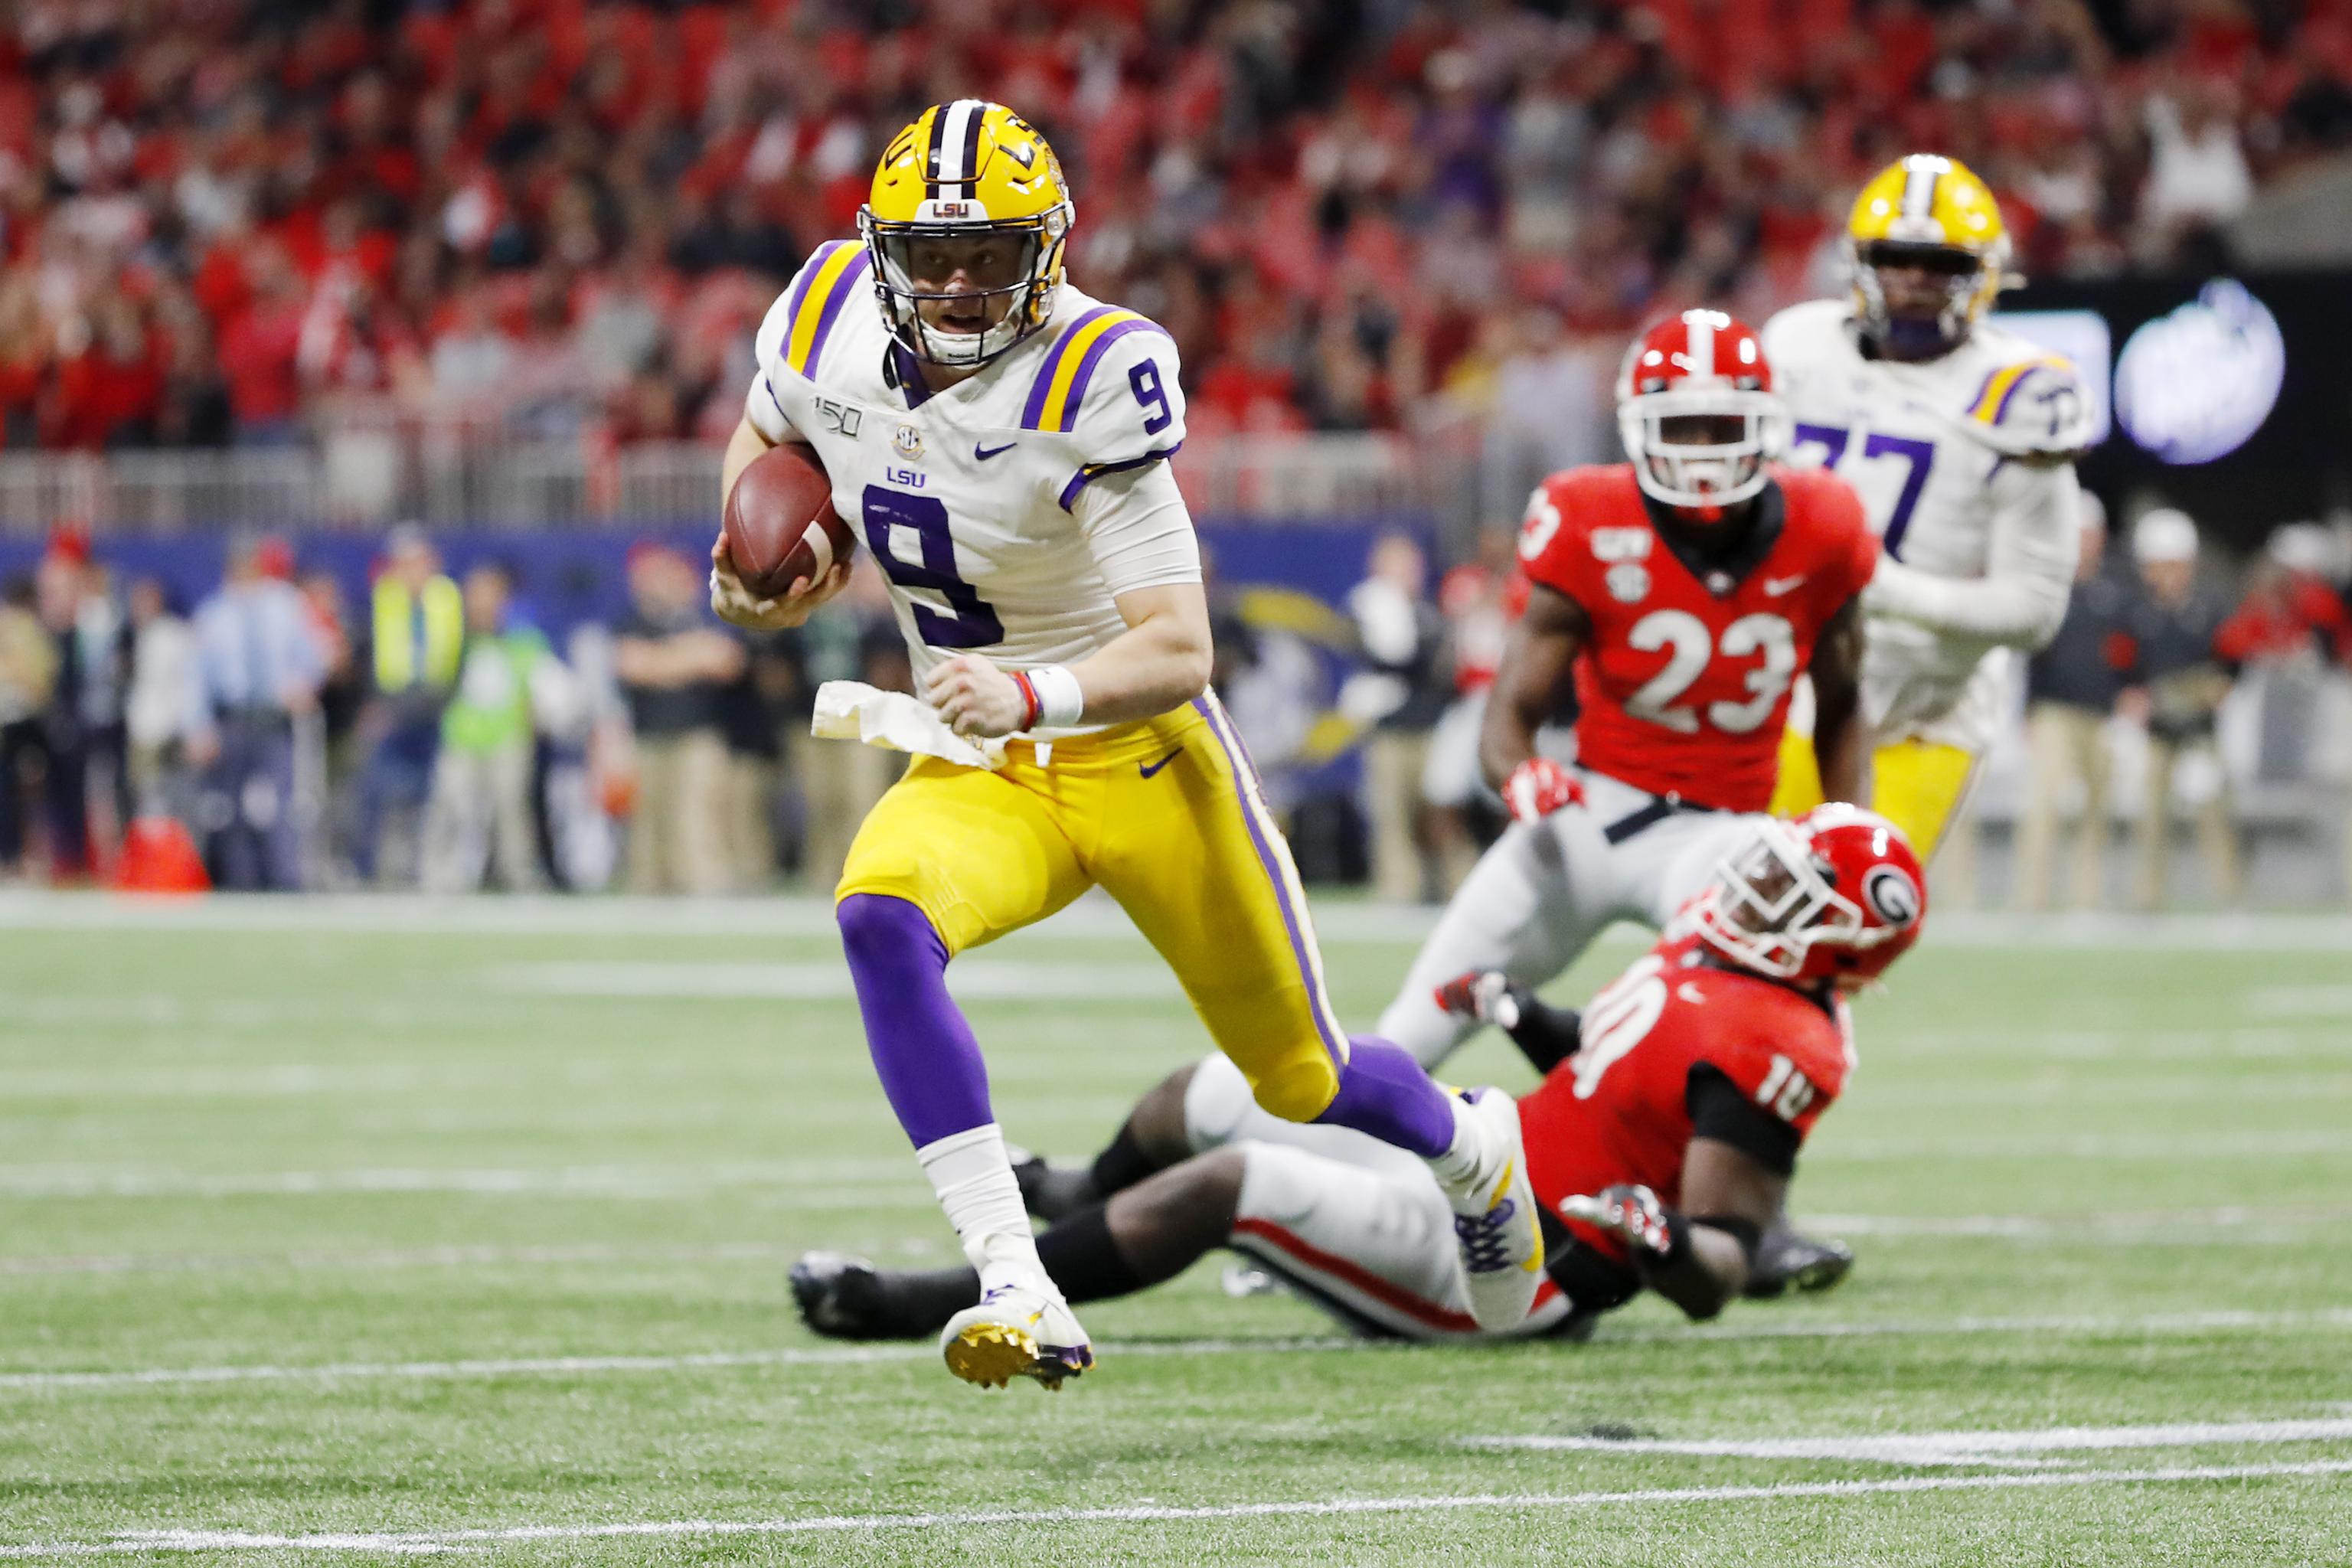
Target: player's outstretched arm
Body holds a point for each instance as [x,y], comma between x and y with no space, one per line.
[2028,567]
[1534,679]
[1697,1256]
[1841,746]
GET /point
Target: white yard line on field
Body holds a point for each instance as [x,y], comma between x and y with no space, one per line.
[1763,1328]
[1933,1449]
[1092,917]
[428,1541]
[2210,1227]
[975,979]
[2300,1002]
[2281,1142]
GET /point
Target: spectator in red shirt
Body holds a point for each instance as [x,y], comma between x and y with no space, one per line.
[260,352]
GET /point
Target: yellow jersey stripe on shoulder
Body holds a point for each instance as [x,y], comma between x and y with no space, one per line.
[1061,384]
[1993,397]
[832,279]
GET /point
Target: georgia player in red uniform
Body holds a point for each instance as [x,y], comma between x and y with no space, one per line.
[1659,1147]
[1679,596]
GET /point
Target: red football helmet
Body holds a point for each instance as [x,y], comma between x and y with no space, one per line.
[1698,411]
[1835,895]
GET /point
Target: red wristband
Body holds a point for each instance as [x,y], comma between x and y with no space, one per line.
[1031,706]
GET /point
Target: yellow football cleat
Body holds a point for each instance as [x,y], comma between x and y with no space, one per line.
[1016,1332]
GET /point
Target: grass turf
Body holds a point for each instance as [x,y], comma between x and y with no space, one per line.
[2099,1186]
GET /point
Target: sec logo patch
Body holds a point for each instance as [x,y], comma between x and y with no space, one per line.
[1628,584]
[909,441]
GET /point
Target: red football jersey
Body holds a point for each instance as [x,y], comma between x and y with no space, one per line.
[1618,1111]
[1684,687]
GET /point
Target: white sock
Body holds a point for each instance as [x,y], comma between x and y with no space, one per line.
[973,1177]
[1462,1162]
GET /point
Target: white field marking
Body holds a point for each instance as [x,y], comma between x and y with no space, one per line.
[588,1365]
[1093,917]
[425,1542]
[1766,1328]
[2203,1227]
[823,1184]
[2136,1047]
[2283,1143]
[451,1257]
[974,979]
[2064,1094]
[1933,1449]
[2300,1002]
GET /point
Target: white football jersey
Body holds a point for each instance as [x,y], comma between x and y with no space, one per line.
[1008,509]
[1925,445]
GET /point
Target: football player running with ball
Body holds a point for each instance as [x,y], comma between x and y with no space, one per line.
[1960,438]
[1659,1146]
[1000,440]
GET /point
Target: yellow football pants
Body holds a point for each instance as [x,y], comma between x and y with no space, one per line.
[1166,816]
[1918,786]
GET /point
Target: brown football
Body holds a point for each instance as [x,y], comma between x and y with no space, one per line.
[780,523]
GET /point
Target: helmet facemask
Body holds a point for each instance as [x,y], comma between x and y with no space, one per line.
[1028,282]
[1701,448]
[1770,904]
[1966,282]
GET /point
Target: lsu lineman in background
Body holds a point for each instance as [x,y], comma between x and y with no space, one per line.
[1960,438]
[999,441]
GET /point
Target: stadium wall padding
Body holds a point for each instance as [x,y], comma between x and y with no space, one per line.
[570,576]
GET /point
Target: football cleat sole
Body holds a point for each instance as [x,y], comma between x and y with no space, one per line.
[980,1346]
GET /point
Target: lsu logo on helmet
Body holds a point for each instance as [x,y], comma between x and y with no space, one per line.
[965,170]
[1931,213]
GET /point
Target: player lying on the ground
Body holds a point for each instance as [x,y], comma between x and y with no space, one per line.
[999,439]
[1960,437]
[1659,1147]
[1679,596]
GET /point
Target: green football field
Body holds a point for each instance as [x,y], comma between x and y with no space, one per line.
[342,1233]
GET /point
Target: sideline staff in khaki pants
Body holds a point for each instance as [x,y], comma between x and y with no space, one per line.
[2071,688]
[673,663]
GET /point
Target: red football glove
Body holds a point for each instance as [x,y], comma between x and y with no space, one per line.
[1539,787]
[1634,1214]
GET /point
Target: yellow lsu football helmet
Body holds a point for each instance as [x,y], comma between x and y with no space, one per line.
[963,169]
[1931,213]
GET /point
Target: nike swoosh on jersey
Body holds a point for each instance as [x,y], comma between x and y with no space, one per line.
[1147,769]
[981,454]
[1776,587]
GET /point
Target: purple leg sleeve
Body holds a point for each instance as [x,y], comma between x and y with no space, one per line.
[1384,1092]
[929,1064]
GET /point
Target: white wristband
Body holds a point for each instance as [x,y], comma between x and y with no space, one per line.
[1060,703]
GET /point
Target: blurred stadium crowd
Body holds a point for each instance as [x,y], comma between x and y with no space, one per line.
[434,736]
[220,220]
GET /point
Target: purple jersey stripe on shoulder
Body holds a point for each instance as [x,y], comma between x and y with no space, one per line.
[2001,409]
[843,287]
[1077,399]
[1035,409]
[1244,781]
[1094,471]
[809,269]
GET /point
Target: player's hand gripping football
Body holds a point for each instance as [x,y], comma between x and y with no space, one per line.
[1630,1212]
[736,605]
[1539,787]
[978,701]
